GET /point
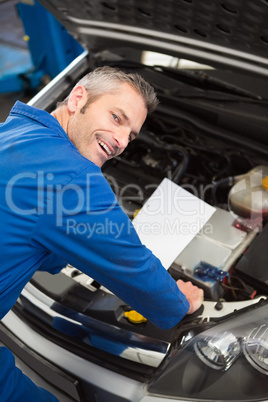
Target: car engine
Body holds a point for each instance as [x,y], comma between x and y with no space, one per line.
[209,169]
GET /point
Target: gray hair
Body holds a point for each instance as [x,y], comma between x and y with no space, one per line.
[105,79]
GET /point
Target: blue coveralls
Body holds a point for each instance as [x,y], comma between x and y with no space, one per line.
[56,207]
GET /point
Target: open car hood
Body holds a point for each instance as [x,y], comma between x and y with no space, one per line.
[225,33]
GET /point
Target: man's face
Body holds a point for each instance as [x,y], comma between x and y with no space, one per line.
[108,124]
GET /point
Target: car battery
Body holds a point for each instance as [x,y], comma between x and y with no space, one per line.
[208,258]
[252,267]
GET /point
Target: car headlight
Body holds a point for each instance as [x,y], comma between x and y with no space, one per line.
[255,348]
[227,362]
[218,351]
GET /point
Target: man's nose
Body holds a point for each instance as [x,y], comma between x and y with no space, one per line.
[121,137]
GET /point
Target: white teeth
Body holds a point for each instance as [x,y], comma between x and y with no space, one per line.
[104,146]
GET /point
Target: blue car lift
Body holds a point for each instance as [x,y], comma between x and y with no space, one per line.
[51,49]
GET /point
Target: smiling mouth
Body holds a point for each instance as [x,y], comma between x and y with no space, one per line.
[104,147]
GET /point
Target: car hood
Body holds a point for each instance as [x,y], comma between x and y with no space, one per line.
[225,33]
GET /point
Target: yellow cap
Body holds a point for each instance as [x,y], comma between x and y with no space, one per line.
[134,317]
[136,213]
[26,38]
[265,183]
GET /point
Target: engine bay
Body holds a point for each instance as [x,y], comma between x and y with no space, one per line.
[208,169]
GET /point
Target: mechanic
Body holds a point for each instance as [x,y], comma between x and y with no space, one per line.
[52,188]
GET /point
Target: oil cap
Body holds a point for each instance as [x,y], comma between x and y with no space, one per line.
[265,183]
[134,317]
[136,213]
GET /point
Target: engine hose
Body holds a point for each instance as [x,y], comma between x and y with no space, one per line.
[154,142]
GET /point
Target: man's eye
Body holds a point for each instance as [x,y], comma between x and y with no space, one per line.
[116,118]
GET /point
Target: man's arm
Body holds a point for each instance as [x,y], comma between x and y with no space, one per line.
[16,386]
[100,240]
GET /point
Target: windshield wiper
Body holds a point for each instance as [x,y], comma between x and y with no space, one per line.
[196,78]
[207,82]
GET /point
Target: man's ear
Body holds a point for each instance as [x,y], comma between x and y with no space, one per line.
[77,98]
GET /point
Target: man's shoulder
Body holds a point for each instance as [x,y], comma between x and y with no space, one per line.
[35,117]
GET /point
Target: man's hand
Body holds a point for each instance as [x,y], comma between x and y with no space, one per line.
[194,295]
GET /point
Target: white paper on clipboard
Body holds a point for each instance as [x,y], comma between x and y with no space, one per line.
[170,219]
